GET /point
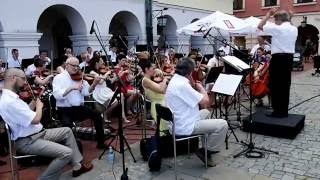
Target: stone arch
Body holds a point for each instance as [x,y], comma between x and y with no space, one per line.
[127,25]
[57,23]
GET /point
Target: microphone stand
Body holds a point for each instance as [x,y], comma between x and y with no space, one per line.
[251,151]
[124,175]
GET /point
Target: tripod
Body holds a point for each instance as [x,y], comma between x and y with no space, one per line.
[119,133]
[117,93]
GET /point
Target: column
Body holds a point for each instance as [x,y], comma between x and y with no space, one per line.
[81,42]
[26,43]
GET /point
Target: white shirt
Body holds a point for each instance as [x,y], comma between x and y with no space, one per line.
[14,63]
[101,92]
[255,47]
[61,83]
[18,115]
[284,37]
[113,56]
[183,101]
[30,69]
[214,62]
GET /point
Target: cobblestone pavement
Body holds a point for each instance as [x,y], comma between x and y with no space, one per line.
[298,159]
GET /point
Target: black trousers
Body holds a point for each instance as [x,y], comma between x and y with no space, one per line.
[79,113]
[280,81]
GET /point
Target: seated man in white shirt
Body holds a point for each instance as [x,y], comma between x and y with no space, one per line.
[14,60]
[31,68]
[183,97]
[28,132]
[70,95]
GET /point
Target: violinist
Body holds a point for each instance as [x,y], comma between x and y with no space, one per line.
[154,86]
[69,91]
[40,73]
[85,58]
[127,76]
[183,97]
[29,135]
[102,93]
[199,72]
[44,57]
[31,68]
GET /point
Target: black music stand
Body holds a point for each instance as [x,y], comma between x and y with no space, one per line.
[227,85]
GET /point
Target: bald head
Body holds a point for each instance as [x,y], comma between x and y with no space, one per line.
[13,72]
[14,79]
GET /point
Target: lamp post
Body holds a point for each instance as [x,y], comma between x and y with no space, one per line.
[162,22]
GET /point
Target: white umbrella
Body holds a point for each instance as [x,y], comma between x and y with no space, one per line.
[217,21]
[253,29]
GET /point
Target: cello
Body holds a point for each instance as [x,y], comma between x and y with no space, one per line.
[260,81]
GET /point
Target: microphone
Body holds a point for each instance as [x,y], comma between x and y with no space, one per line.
[205,36]
[92,28]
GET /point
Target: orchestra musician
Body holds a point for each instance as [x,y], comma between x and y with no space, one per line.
[85,59]
[284,36]
[44,57]
[70,92]
[102,93]
[29,135]
[124,71]
[183,96]
[154,88]
[14,60]
[41,78]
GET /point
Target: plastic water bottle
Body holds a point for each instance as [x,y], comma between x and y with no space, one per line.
[110,155]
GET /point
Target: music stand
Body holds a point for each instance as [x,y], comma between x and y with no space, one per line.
[227,84]
[213,74]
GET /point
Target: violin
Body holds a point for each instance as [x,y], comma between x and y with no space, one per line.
[103,69]
[79,76]
[27,93]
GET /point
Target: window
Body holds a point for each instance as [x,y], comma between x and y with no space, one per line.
[238,4]
[304,1]
[270,3]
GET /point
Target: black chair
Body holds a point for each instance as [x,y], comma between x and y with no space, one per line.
[166,114]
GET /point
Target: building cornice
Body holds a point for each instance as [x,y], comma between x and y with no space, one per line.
[182,7]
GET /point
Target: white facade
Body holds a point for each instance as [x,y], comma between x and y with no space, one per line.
[28,24]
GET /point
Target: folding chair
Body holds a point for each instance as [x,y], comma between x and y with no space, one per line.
[166,114]
[13,156]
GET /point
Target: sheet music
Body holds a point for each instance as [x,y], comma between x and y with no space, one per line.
[227,84]
[236,63]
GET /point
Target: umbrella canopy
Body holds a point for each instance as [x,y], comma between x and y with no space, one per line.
[217,21]
[252,28]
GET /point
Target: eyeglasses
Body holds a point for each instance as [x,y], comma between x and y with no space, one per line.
[74,65]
